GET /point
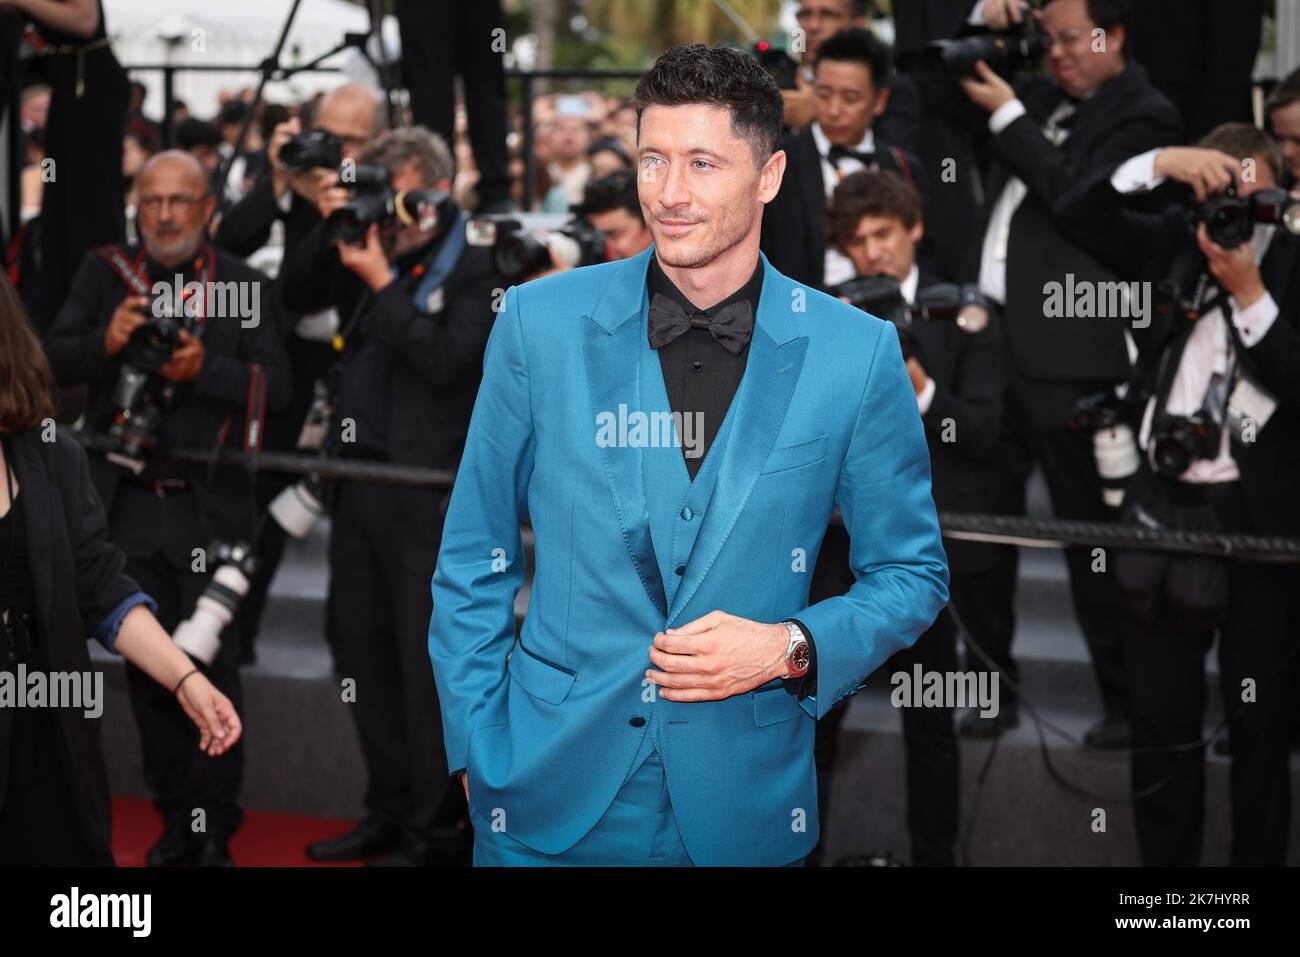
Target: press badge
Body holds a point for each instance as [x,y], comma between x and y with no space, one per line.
[433,302]
[1250,403]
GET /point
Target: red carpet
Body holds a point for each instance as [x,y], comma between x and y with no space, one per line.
[264,839]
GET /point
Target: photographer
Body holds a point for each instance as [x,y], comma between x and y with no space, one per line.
[417,307]
[60,582]
[1217,411]
[851,83]
[610,204]
[1283,108]
[201,386]
[875,219]
[1093,109]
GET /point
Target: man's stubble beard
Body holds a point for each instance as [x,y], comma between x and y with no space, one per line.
[732,231]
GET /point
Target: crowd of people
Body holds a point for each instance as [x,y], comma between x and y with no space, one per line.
[359,312]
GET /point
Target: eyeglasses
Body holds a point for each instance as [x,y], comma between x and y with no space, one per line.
[181,205]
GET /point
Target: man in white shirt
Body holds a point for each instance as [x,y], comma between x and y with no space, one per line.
[1229,349]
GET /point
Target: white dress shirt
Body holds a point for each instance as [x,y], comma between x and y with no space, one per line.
[838,267]
[1209,348]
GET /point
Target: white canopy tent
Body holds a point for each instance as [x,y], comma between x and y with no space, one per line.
[222,32]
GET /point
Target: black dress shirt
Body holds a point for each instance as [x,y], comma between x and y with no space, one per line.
[702,376]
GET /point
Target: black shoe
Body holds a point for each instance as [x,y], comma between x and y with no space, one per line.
[176,848]
[214,852]
[979,728]
[1114,732]
[367,839]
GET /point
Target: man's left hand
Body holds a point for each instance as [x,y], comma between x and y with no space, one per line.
[986,89]
[367,259]
[186,362]
[916,372]
[717,656]
[1235,269]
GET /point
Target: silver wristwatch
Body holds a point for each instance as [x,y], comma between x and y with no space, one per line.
[796,654]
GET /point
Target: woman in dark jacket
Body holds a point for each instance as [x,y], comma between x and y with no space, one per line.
[61,582]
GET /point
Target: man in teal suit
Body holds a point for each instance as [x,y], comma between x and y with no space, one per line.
[678,427]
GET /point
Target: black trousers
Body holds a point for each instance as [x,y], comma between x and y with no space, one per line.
[929,736]
[378,627]
[1035,433]
[441,39]
[1257,675]
[158,536]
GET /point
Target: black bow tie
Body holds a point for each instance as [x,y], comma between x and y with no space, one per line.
[732,325]
[837,153]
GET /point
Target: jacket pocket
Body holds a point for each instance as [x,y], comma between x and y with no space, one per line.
[774,704]
[794,456]
[540,678]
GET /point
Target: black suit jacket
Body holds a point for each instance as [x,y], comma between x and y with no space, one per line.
[78,580]
[969,386]
[1126,116]
[1141,246]
[220,395]
[437,357]
[246,227]
[794,222]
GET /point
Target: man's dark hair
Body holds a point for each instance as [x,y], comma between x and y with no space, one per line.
[870,193]
[1109,14]
[717,76]
[859,45]
[1285,93]
[1245,141]
[617,190]
[192,132]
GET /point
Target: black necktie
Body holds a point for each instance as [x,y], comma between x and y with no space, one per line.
[732,325]
[837,153]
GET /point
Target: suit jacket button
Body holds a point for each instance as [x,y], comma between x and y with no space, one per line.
[681,569]
[687,514]
[637,721]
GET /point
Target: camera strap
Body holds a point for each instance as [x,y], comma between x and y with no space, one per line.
[440,268]
[132,274]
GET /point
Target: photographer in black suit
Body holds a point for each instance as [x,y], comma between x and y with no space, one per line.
[417,307]
[204,389]
[852,71]
[1092,110]
[956,371]
[1223,349]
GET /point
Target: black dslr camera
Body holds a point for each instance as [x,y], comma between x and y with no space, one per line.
[1017,49]
[314,149]
[141,396]
[525,245]
[375,201]
[778,63]
[882,296]
[1179,440]
[1230,219]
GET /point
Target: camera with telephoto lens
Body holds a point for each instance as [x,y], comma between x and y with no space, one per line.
[1114,447]
[1179,440]
[141,396]
[882,296]
[374,201]
[1230,219]
[528,244]
[199,636]
[1020,48]
[314,149]
[298,507]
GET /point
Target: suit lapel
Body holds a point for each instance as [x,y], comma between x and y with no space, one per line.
[776,356]
[612,342]
[35,489]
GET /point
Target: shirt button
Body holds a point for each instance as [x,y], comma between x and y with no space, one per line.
[681,569]
[636,722]
[697,365]
[687,514]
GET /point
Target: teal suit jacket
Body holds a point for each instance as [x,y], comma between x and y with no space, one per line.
[626,545]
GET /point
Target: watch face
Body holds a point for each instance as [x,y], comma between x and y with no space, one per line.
[800,657]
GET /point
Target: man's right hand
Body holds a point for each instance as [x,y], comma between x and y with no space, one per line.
[127,317]
[281,179]
[464,781]
[1206,171]
[329,194]
[800,103]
